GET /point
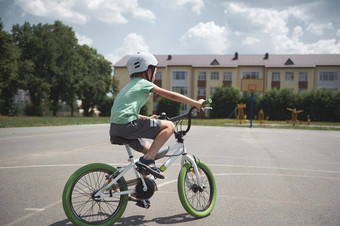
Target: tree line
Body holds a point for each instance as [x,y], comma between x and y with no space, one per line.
[47,61]
[319,104]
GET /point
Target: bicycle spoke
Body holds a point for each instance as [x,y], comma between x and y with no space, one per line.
[198,199]
[85,207]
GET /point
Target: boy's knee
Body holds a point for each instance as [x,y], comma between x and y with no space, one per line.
[170,126]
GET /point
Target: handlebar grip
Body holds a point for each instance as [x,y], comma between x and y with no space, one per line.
[206,102]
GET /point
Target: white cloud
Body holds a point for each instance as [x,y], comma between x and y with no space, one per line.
[110,11]
[273,24]
[81,11]
[250,41]
[297,33]
[338,32]
[82,39]
[319,28]
[132,44]
[197,5]
[61,10]
[206,37]
[324,46]
[112,58]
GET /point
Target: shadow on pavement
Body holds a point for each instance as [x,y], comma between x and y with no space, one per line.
[139,220]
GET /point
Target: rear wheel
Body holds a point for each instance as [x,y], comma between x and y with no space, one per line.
[197,201]
[79,203]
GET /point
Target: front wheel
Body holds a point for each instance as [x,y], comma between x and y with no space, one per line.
[79,202]
[198,202]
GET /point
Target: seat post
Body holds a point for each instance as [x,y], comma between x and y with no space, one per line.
[128,149]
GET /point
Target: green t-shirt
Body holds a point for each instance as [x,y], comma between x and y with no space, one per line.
[130,100]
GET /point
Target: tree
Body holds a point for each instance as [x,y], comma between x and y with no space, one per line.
[269,103]
[9,82]
[94,78]
[321,105]
[104,106]
[225,100]
[171,108]
[32,64]
[60,49]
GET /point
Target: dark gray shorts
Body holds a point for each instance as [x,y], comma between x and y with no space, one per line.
[136,130]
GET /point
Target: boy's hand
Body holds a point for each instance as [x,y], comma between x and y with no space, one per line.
[199,104]
[153,116]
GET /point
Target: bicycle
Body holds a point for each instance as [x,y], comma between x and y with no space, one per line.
[97,193]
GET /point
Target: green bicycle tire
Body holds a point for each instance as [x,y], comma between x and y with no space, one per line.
[97,168]
[183,188]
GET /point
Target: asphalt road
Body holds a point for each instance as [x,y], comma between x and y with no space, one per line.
[263,176]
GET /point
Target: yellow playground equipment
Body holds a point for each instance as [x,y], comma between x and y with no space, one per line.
[294,119]
[261,117]
[240,110]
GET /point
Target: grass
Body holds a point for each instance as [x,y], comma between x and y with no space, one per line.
[25,121]
[9,122]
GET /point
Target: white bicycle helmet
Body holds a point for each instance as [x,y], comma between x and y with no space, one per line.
[140,62]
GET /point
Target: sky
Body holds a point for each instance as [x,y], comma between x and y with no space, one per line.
[122,27]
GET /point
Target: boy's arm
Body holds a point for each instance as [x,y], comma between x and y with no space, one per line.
[147,117]
[177,97]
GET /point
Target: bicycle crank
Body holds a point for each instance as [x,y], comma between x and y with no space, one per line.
[151,188]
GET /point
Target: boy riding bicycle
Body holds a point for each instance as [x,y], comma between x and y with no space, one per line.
[126,122]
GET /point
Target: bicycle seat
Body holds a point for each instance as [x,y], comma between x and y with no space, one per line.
[119,140]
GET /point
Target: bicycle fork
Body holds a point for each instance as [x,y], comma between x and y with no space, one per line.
[185,157]
[192,160]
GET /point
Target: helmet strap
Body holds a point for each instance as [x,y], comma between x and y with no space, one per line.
[152,73]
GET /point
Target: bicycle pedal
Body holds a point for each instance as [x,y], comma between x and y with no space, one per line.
[143,171]
[140,203]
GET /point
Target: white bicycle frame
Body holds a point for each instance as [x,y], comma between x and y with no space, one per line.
[180,150]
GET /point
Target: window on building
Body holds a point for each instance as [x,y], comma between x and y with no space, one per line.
[180,89]
[276,76]
[329,79]
[303,76]
[289,76]
[158,75]
[227,76]
[329,75]
[214,75]
[251,75]
[212,90]
[201,91]
[179,75]
[202,76]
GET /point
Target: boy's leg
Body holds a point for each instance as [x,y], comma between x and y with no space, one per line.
[166,130]
[146,148]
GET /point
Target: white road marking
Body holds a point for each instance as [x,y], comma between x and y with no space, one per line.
[20,219]
[166,183]
[215,165]
[275,175]
[34,209]
[274,168]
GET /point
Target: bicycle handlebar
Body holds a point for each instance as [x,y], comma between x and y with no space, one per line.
[188,115]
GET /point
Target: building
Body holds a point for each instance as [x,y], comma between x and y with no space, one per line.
[197,76]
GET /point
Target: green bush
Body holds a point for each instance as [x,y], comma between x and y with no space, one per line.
[225,99]
[33,110]
[320,104]
[104,107]
[171,108]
